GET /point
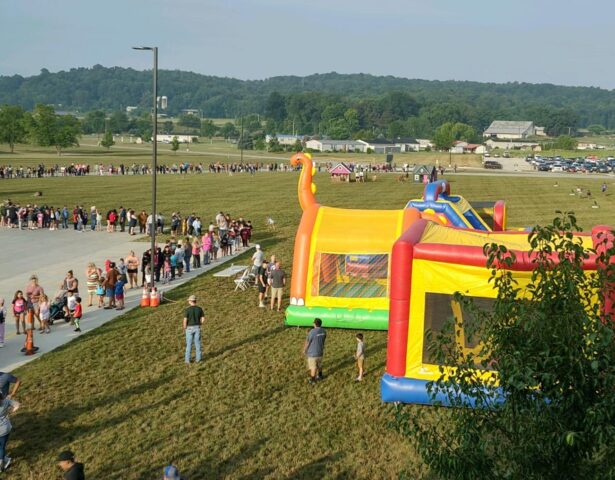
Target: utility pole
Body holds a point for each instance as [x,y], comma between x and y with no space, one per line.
[241,139]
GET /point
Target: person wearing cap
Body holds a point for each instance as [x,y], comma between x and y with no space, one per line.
[193,319]
[257,259]
[72,470]
[171,473]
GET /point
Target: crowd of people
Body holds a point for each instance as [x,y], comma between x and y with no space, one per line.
[183,168]
[224,234]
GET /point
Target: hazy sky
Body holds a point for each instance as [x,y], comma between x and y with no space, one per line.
[563,42]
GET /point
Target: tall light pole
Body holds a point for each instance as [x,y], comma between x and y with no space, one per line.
[154,159]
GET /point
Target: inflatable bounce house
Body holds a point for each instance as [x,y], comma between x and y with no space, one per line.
[342,257]
[455,211]
[429,264]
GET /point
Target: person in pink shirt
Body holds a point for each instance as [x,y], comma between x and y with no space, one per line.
[196,253]
[207,244]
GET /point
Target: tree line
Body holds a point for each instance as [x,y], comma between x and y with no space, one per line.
[323,102]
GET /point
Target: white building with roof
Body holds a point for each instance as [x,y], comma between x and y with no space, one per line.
[285,139]
[510,130]
[334,145]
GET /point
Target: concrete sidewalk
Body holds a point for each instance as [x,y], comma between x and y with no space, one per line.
[50,254]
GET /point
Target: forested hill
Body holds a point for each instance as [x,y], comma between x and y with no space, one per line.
[114,88]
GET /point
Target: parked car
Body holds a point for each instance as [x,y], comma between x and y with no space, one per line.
[492,164]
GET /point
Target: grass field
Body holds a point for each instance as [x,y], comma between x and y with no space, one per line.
[122,399]
[206,152]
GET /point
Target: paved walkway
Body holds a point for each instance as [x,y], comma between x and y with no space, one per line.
[50,254]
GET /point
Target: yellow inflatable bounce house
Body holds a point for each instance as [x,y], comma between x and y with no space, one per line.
[342,257]
[430,263]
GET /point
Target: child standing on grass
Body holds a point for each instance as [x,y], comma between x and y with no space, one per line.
[19,311]
[44,306]
[77,314]
[360,356]
[2,320]
[119,293]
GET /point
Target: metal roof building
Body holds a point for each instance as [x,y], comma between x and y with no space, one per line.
[510,129]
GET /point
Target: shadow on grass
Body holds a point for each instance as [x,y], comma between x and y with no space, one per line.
[210,468]
[253,339]
[316,468]
[42,432]
[351,361]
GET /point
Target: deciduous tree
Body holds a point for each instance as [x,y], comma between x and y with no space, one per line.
[47,129]
[107,140]
[547,350]
[12,128]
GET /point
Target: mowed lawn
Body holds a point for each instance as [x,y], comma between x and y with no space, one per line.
[206,152]
[123,400]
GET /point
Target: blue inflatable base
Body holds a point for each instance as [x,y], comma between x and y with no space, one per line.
[413,390]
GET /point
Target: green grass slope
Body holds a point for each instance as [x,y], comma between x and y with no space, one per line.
[123,400]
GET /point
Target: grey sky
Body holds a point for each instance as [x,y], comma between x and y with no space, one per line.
[562,42]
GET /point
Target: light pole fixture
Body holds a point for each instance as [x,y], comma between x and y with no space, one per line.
[154,160]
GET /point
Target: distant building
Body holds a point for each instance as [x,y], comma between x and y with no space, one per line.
[424,143]
[510,145]
[510,130]
[131,109]
[180,138]
[465,147]
[192,111]
[380,145]
[407,144]
[424,173]
[284,139]
[341,172]
[334,145]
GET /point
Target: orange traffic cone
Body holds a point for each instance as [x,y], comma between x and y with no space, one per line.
[145,297]
[29,348]
[154,299]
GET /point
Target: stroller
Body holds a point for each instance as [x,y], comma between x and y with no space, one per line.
[56,309]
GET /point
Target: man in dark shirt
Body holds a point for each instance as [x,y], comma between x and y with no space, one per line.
[193,319]
[314,349]
[261,283]
[72,470]
[278,281]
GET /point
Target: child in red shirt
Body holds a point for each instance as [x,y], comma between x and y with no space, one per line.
[77,314]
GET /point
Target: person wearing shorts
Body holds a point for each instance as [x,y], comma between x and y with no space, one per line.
[33,293]
[314,349]
[278,281]
[109,284]
[132,269]
[261,283]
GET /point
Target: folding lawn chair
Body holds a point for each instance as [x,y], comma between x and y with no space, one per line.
[243,282]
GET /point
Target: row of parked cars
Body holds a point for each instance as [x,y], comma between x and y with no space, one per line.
[572,165]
